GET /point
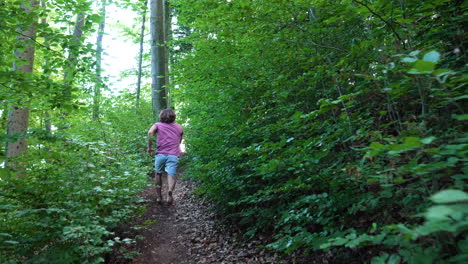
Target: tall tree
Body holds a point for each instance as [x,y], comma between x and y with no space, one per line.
[18,117]
[140,56]
[47,121]
[98,84]
[158,92]
[69,73]
[167,39]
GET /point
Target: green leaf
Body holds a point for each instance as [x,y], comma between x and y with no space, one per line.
[428,140]
[441,72]
[394,259]
[449,196]
[462,97]
[462,117]
[415,53]
[95,18]
[439,212]
[412,142]
[409,59]
[382,259]
[432,56]
[421,67]
[376,146]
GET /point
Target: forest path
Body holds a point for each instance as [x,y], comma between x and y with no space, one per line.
[185,232]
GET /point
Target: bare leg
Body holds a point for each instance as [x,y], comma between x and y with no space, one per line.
[171,182]
[158,187]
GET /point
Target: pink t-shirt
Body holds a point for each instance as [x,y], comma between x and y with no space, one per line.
[169,136]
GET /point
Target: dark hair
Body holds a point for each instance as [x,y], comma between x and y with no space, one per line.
[167,116]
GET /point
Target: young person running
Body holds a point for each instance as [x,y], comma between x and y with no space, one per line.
[169,136]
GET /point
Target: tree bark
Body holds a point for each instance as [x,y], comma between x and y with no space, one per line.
[140,57]
[47,121]
[18,117]
[157,57]
[69,72]
[167,39]
[98,84]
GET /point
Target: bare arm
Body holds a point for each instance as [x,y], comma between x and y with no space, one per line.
[151,132]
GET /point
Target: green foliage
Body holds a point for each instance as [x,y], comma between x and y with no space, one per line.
[80,183]
[329,125]
[81,176]
[62,62]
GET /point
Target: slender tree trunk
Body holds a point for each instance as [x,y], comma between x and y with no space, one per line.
[157,57]
[44,19]
[312,14]
[69,72]
[167,39]
[140,57]
[98,84]
[18,117]
[47,122]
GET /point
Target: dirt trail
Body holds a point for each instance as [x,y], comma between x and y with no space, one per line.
[185,232]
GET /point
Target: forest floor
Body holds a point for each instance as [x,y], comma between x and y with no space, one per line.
[186,232]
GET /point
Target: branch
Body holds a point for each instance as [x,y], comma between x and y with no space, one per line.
[36,42]
[10,88]
[327,47]
[2,84]
[383,20]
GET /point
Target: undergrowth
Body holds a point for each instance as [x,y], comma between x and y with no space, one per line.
[331,125]
[79,184]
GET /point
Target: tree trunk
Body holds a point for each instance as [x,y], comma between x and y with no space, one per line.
[140,58]
[167,39]
[157,57]
[98,84]
[18,117]
[47,121]
[69,72]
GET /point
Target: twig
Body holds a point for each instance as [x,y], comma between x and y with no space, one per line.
[38,43]
[383,20]
[327,47]
[5,86]
[35,41]
[10,88]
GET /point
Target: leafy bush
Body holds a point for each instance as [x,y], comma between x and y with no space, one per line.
[329,125]
[80,183]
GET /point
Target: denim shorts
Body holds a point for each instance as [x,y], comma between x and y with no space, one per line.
[167,162]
